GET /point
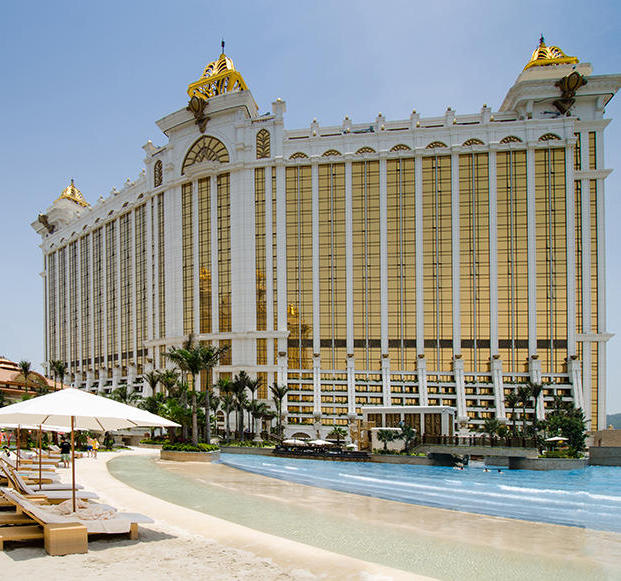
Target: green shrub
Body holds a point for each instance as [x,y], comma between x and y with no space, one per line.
[153,441]
[181,447]
[250,444]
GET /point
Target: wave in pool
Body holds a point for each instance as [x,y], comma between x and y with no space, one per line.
[589,498]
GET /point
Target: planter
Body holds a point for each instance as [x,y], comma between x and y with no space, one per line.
[176,456]
[247,450]
[150,446]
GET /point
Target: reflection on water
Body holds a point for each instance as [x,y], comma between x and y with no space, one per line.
[447,545]
[588,498]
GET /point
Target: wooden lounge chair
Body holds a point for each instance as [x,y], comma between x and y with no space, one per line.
[62,535]
[52,496]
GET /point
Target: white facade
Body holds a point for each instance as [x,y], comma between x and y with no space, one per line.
[146,272]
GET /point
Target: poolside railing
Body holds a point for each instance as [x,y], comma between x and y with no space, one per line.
[478,440]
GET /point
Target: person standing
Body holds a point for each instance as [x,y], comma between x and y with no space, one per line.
[95,443]
[65,452]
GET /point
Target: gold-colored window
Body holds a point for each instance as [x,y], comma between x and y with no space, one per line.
[126,291]
[401,257]
[224,261]
[512,260]
[366,266]
[592,150]
[111,293]
[85,303]
[578,245]
[578,153]
[158,172]
[51,306]
[204,253]
[594,302]
[140,249]
[260,262]
[62,305]
[187,246]
[332,285]
[299,267]
[73,299]
[437,263]
[263,144]
[206,148]
[98,301]
[474,260]
[161,254]
[551,258]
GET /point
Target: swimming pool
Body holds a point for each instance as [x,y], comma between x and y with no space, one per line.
[589,498]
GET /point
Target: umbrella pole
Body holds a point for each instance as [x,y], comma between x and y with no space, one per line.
[17,459]
[40,452]
[72,463]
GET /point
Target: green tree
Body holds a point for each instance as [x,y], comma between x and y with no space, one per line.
[385,436]
[535,391]
[491,426]
[168,380]
[24,367]
[124,395]
[511,401]
[227,401]
[192,358]
[58,369]
[256,409]
[408,435]
[279,392]
[571,424]
[523,394]
[238,389]
[153,379]
[339,433]
[253,386]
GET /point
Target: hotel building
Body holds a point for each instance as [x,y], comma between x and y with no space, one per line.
[428,261]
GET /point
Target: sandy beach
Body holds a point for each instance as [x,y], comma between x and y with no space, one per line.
[181,544]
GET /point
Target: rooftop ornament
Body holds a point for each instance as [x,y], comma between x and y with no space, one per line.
[72,193]
[549,55]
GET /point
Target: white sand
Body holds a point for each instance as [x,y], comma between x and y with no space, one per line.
[182,544]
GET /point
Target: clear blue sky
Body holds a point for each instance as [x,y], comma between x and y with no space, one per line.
[82,84]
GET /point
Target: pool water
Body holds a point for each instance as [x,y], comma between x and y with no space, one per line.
[589,498]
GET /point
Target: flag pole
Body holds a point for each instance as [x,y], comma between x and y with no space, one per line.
[72,462]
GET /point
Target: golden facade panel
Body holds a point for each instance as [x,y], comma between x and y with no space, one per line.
[187,247]
[204,254]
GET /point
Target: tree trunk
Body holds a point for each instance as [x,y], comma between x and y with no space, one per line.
[207,414]
[228,425]
[194,419]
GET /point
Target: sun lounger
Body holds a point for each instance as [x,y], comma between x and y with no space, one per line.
[52,496]
[65,535]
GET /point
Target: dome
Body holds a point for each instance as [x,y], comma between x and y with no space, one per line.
[72,193]
[219,76]
[549,55]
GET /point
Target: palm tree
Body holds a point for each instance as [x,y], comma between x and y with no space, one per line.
[385,436]
[238,389]
[24,367]
[210,357]
[59,368]
[256,409]
[53,369]
[168,380]
[511,401]
[214,406]
[523,394]
[407,434]
[338,433]
[535,392]
[269,415]
[279,392]
[192,358]
[491,427]
[125,396]
[253,385]
[227,401]
[152,378]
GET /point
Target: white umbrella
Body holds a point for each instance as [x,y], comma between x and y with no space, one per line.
[294,442]
[556,439]
[39,428]
[320,443]
[82,411]
[351,446]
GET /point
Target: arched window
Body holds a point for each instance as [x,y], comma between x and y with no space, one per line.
[157,173]
[435,144]
[473,141]
[330,153]
[206,148]
[400,147]
[549,137]
[511,139]
[263,144]
[364,150]
[298,155]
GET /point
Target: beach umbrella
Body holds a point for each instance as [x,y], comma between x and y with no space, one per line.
[39,428]
[556,439]
[82,411]
[351,446]
[320,443]
[294,442]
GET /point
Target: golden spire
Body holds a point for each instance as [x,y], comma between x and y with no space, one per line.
[72,193]
[549,55]
[218,77]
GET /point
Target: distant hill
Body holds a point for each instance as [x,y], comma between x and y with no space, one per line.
[614,420]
